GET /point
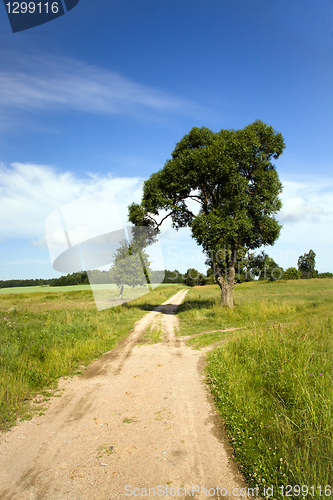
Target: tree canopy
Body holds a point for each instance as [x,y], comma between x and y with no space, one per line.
[131,265]
[292,274]
[230,176]
[264,266]
[306,264]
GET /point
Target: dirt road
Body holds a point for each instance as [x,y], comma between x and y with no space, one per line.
[140,417]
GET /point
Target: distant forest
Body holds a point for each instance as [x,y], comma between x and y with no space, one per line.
[190,278]
[81,278]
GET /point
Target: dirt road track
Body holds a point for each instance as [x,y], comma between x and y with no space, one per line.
[139,417]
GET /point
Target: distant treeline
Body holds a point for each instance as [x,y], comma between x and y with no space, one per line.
[96,277]
[103,277]
[19,283]
[71,279]
[190,278]
[85,277]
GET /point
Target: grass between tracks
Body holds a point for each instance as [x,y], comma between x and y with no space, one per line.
[44,336]
[272,379]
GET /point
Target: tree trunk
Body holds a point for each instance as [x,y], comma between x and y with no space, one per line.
[227,285]
[227,289]
[150,288]
[121,291]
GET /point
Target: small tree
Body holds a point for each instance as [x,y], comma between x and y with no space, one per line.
[306,264]
[263,266]
[173,277]
[292,274]
[131,266]
[231,177]
[325,275]
[194,278]
[210,278]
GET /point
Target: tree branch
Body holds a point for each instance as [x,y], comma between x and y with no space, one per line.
[168,215]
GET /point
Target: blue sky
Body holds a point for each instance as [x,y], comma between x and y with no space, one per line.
[98,98]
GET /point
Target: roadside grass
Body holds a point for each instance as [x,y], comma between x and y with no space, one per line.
[254,302]
[207,339]
[272,380]
[44,336]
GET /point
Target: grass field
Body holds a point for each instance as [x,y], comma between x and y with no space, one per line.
[272,379]
[47,335]
[57,289]
[45,288]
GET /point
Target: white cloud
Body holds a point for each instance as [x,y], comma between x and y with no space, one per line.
[297,210]
[30,193]
[306,202]
[307,218]
[66,84]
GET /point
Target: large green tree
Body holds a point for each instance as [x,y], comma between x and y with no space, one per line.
[231,177]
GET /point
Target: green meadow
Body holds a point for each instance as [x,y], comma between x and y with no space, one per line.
[44,288]
[272,379]
[69,288]
[46,335]
[270,372]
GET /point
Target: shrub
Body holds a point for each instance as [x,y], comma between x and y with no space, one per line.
[292,274]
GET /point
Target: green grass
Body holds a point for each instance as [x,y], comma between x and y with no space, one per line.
[205,340]
[70,288]
[272,380]
[48,335]
[153,334]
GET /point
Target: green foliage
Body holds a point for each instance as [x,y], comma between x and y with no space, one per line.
[131,265]
[325,275]
[292,274]
[264,267]
[80,278]
[99,277]
[173,277]
[194,278]
[24,283]
[231,176]
[248,265]
[210,276]
[157,276]
[306,264]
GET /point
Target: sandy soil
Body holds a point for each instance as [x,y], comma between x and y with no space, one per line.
[140,417]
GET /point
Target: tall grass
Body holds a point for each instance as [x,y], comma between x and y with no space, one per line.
[47,335]
[254,302]
[272,380]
